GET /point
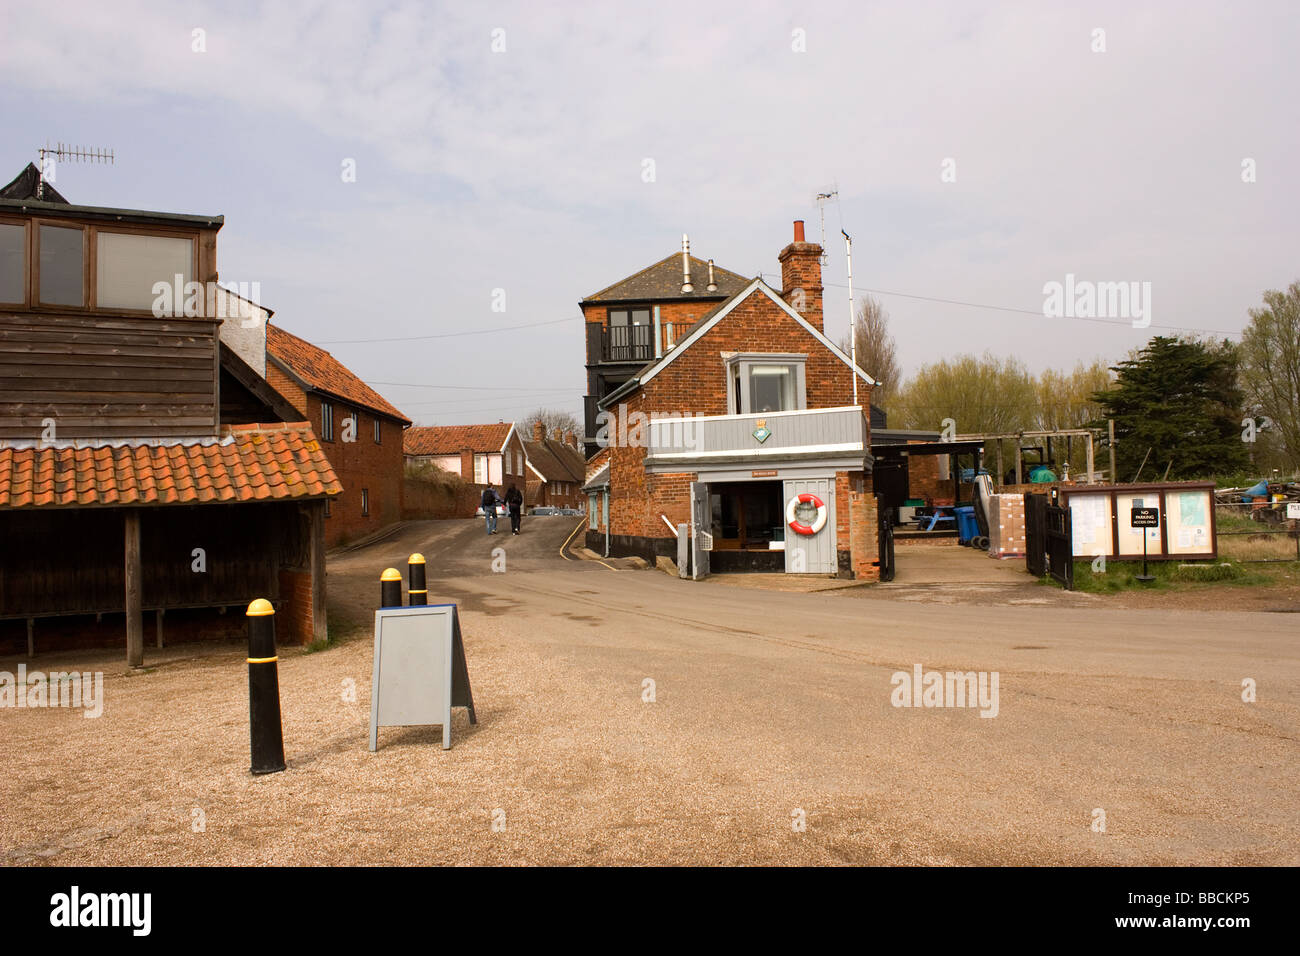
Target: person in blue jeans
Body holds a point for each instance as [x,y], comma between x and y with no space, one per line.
[489,502]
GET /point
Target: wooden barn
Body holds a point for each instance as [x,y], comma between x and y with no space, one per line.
[145,465]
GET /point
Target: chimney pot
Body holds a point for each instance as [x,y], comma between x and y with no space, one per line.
[798,230]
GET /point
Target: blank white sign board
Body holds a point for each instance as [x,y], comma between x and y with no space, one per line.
[418,654]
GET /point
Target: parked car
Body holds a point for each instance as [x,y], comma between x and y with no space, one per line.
[568,512]
[502,511]
[543,510]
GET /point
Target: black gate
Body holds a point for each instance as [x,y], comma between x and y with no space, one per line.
[1060,544]
[886,541]
[1036,534]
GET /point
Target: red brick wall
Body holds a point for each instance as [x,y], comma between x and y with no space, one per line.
[863,529]
[923,478]
[423,499]
[695,382]
[359,464]
[293,619]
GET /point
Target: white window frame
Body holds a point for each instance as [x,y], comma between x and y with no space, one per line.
[741,362]
[480,469]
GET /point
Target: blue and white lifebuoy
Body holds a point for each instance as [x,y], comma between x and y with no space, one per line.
[792,518]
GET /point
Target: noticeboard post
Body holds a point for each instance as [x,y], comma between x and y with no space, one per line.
[420,672]
[1144,518]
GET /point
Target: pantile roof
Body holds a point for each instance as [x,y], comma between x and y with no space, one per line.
[453,439]
[273,462]
[316,369]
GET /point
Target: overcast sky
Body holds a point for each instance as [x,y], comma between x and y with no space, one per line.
[524,169]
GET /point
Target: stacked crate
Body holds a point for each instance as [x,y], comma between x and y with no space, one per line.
[1006,514]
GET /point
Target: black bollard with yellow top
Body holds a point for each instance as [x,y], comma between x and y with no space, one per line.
[417,592]
[264,690]
[390,588]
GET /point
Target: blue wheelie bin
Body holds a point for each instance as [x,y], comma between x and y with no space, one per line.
[967,528]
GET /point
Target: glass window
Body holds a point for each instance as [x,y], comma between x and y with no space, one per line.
[326,421]
[771,388]
[127,266]
[365,501]
[378,433]
[61,266]
[640,316]
[618,318]
[480,469]
[13,271]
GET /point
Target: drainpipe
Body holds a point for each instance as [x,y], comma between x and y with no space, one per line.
[659,341]
[607,520]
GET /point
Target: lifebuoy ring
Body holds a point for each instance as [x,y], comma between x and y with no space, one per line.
[797,526]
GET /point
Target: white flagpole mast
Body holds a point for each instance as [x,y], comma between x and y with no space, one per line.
[853,319]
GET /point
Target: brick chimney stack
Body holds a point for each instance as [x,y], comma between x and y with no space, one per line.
[570,440]
[801,277]
[539,431]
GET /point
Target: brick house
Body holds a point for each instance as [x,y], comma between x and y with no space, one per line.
[358,428]
[638,318]
[480,454]
[556,468]
[745,429]
[145,463]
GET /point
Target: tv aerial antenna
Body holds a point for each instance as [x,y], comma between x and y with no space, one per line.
[50,156]
[821,207]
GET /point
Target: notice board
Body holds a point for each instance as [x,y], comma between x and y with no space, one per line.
[419,671]
[1100,525]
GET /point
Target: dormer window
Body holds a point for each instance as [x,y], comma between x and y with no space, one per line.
[759,383]
[13,263]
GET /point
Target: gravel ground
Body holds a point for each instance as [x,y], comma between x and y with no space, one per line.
[770,708]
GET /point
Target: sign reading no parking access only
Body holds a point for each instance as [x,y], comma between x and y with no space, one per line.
[1145,518]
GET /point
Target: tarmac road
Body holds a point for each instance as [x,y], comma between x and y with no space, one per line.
[769,711]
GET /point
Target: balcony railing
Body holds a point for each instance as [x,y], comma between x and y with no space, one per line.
[628,343]
[824,433]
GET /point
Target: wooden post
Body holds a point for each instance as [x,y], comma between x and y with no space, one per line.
[1001,472]
[134,613]
[1019,477]
[1091,479]
[319,622]
[158,616]
[1110,428]
[31,637]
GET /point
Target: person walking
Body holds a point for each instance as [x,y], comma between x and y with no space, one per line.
[489,502]
[515,502]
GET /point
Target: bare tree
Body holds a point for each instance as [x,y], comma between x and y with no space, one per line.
[554,420]
[877,354]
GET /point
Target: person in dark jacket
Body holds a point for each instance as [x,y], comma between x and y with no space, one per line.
[489,501]
[515,502]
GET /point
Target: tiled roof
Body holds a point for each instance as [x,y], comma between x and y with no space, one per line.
[323,372]
[556,460]
[247,463]
[453,439]
[663,280]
